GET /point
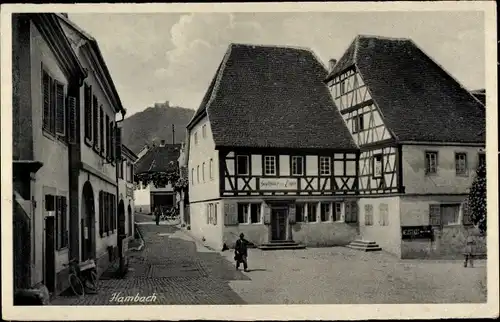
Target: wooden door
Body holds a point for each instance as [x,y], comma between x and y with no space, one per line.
[278,224]
[50,254]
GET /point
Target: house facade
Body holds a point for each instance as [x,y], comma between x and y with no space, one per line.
[160,158]
[419,146]
[47,76]
[280,167]
[93,179]
[126,206]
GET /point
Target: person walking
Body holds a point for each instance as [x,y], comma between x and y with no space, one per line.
[241,253]
[157,216]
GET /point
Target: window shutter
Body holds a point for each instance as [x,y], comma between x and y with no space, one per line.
[58,221]
[354,211]
[466,215]
[88,112]
[64,222]
[60,109]
[72,120]
[226,214]
[52,110]
[95,122]
[348,212]
[231,213]
[101,129]
[46,100]
[267,214]
[292,214]
[118,143]
[101,213]
[215,213]
[435,215]
[207,213]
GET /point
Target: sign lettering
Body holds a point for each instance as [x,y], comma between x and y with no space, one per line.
[278,184]
[416,232]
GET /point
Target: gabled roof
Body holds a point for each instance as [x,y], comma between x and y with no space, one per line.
[129,153]
[266,96]
[95,50]
[418,99]
[159,159]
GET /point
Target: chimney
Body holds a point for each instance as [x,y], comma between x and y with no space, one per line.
[65,15]
[331,64]
[162,143]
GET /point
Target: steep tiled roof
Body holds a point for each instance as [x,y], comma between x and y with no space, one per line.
[159,158]
[419,101]
[265,96]
[480,94]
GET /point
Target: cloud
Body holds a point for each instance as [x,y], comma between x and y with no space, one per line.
[200,41]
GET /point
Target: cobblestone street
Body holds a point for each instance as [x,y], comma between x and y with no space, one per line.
[173,268]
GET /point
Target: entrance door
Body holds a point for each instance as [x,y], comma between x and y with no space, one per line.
[50,254]
[87,222]
[278,223]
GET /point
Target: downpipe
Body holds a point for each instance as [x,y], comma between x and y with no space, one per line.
[121,257]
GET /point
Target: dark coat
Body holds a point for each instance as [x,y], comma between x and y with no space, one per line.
[241,247]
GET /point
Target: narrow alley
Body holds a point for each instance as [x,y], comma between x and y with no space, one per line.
[170,270]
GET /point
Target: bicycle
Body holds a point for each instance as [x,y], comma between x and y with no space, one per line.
[82,276]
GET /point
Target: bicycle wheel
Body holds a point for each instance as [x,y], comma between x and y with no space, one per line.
[91,281]
[76,285]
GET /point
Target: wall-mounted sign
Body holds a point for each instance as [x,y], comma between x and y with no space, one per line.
[278,184]
[129,192]
[416,232]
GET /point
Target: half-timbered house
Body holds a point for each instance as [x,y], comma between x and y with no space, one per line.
[269,155]
[421,135]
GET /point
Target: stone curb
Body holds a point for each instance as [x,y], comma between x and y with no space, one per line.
[141,246]
[196,240]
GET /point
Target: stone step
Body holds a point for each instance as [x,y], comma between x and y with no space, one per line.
[283,246]
[364,245]
[282,242]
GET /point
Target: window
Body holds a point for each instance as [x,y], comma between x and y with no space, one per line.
[297,166]
[325,166]
[198,174]
[203,172]
[204,131]
[107,213]
[131,168]
[249,213]
[325,211]
[243,213]
[311,212]
[342,87]
[58,204]
[242,166]
[270,165]
[212,214]
[54,109]
[481,158]
[95,122]
[120,170]
[358,124]
[368,215]
[351,212]
[255,213]
[196,138]
[192,175]
[211,169]
[383,209]
[461,164]
[377,166]
[111,137]
[430,162]
[337,212]
[300,212]
[88,112]
[450,214]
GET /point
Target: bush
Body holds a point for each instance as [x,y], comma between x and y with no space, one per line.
[477,199]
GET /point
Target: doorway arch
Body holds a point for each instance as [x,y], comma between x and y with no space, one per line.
[130,221]
[87,222]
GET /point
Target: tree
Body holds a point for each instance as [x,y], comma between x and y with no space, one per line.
[477,199]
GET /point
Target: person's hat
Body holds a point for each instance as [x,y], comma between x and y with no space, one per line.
[242,235]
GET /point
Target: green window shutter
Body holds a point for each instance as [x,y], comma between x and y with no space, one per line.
[435,215]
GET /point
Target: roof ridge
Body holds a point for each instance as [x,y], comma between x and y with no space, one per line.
[273,46]
[383,37]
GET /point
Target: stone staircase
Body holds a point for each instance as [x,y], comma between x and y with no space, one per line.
[364,245]
[281,244]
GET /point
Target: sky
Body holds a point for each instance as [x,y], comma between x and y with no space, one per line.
[158,57]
